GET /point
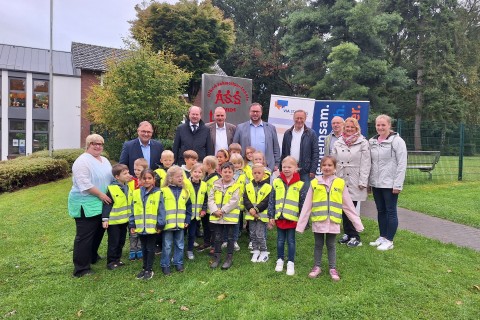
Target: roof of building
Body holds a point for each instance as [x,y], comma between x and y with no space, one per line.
[92,57]
[18,58]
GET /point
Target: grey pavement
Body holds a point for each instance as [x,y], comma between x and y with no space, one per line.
[431,227]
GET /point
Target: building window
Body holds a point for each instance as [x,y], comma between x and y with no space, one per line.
[16,138]
[17,92]
[40,136]
[40,94]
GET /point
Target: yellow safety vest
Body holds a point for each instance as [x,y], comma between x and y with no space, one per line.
[145,215]
[176,210]
[327,204]
[241,181]
[248,172]
[197,199]
[287,201]
[210,183]
[162,174]
[121,205]
[131,185]
[222,198]
[256,197]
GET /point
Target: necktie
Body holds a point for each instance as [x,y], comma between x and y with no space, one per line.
[194,128]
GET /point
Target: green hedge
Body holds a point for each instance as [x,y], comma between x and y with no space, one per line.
[70,155]
[30,171]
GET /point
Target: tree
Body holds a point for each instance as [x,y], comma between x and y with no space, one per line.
[196,33]
[143,86]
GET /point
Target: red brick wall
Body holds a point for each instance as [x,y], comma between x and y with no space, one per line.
[89,78]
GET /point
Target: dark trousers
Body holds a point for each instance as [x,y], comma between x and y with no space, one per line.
[386,202]
[117,234]
[148,250]
[207,231]
[219,230]
[192,234]
[348,227]
[89,235]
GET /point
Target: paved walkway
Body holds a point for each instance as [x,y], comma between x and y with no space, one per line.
[431,227]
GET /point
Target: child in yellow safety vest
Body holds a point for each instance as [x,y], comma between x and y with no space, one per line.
[286,199]
[255,198]
[175,215]
[326,198]
[199,198]
[115,214]
[223,205]
[143,220]
[166,161]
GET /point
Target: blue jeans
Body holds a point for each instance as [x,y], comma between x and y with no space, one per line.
[175,238]
[289,235]
[192,233]
[386,203]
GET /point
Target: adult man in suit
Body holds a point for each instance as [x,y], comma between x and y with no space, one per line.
[142,147]
[337,130]
[260,135]
[301,143]
[192,135]
[221,132]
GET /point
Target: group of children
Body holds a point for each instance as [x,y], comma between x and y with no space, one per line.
[162,206]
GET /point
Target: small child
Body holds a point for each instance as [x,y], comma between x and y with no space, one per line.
[175,215]
[241,179]
[190,157]
[115,214]
[248,159]
[135,246]
[199,198]
[166,159]
[234,148]
[223,204]
[286,199]
[143,220]
[259,157]
[210,168]
[326,198]
[222,157]
[256,200]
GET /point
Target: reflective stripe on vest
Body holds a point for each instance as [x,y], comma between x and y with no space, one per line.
[222,198]
[256,196]
[197,199]
[145,215]
[121,205]
[327,204]
[286,201]
[241,181]
[176,210]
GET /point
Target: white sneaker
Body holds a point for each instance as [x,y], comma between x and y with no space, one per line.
[250,246]
[255,255]
[263,257]
[279,266]
[377,242]
[190,255]
[386,245]
[224,245]
[290,268]
[195,244]
[236,246]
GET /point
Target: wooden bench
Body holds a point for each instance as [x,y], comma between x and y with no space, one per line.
[424,161]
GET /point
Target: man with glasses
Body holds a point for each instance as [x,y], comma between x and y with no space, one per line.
[142,147]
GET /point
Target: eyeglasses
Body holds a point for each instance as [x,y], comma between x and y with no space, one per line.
[96,144]
[146,132]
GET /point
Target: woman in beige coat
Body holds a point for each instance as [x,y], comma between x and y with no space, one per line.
[353,165]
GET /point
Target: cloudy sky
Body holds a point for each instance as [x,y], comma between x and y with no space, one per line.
[100,22]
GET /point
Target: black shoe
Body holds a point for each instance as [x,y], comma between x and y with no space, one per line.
[84,273]
[141,275]
[228,263]
[216,261]
[166,271]
[354,242]
[344,239]
[158,250]
[202,247]
[120,263]
[180,268]
[148,275]
[112,266]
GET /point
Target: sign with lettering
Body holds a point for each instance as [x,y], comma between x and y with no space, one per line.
[232,93]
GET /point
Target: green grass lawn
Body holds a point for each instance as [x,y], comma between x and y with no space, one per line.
[419,279]
[455,201]
[447,170]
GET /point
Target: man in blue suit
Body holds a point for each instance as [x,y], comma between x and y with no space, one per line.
[142,147]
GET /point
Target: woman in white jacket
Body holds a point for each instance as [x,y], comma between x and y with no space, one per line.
[353,165]
[387,174]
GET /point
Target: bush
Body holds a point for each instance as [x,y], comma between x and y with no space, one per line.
[31,171]
[70,155]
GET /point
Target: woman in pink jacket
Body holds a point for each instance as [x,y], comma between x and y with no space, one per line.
[327,197]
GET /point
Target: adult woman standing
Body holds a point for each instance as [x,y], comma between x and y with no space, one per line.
[353,165]
[91,175]
[389,163]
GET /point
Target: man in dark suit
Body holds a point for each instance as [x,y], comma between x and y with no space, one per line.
[221,132]
[142,147]
[192,135]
